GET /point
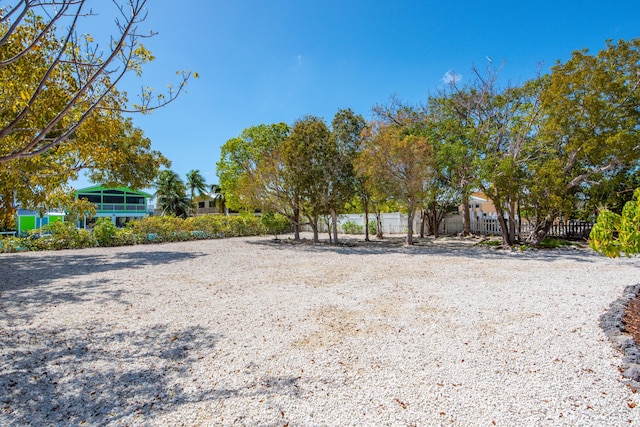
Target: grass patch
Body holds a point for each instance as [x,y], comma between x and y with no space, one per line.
[554,243]
[491,243]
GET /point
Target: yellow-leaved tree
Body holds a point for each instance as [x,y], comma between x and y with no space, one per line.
[60,109]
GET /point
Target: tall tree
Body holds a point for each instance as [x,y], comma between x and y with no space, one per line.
[400,162]
[60,109]
[171,194]
[52,85]
[456,152]
[240,158]
[219,198]
[196,185]
[591,127]
[306,154]
[501,124]
[339,173]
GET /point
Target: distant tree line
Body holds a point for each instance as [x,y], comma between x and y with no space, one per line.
[561,145]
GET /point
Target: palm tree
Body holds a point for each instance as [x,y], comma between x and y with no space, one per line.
[218,196]
[195,183]
[171,194]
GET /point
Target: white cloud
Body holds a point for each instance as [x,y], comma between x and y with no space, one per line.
[451,77]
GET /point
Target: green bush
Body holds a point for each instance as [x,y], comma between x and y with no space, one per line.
[614,234]
[351,227]
[126,236]
[274,223]
[161,228]
[64,235]
[105,232]
[373,229]
[206,226]
[14,244]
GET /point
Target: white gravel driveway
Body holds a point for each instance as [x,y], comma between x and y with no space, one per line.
[246,331]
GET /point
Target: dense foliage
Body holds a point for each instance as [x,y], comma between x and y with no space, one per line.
[61,111]
[155,229]
[562,145]
[615,234]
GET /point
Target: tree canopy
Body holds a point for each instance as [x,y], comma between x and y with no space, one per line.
[61,111]
[560,145]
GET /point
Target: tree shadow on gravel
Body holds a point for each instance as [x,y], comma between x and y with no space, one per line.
[448,247]
[49,266]
[96,376]
[27,281]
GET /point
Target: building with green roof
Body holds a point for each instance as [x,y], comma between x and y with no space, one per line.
[121,204]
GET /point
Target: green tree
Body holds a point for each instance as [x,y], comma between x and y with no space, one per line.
[306,155]
[501,125]
[339,174]
[399,162]
[171,194]
[611,192]
[195,184]
[240,158]
[590,127]
[455,149]
[219,198]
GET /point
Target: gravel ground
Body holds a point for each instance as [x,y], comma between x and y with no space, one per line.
[248,331]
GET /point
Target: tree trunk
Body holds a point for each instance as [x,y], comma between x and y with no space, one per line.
[313,221]
[466,215]
[296,225]
[366,221]
[423,220]
[379,234]
[435,221]
[334,219]
[504,229]
[512,222]
[540,231]
[411,216]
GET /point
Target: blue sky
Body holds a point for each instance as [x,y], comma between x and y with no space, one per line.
[276,61]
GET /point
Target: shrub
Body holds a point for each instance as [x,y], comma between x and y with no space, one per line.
[373,229]
[350,227]
[126,236]
[64,235]
[274,223]
[160,228]
[14,244]
[105,232]
[614,234]
[206,226]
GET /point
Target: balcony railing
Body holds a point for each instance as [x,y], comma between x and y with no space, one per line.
[111,207]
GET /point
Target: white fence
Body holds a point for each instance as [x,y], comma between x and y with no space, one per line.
[396,223]
[392,223]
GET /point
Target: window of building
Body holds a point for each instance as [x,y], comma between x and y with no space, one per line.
[211,204]
[201,205]
[93,198]
[135,200]
[113,199]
